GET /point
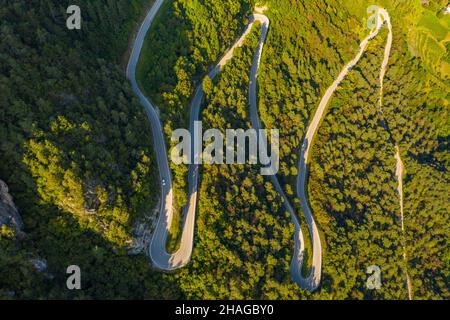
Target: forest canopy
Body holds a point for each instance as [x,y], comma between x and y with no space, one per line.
[76,148]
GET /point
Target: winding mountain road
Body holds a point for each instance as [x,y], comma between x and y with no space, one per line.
[313,280]
[157,250]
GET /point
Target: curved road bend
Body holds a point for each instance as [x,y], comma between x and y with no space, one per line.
[165,216]
[313,280]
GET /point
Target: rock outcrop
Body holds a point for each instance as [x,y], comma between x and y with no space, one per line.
[9,215]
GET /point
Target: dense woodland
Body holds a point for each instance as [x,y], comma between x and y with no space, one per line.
[75,148]
[417,105]
[353,187]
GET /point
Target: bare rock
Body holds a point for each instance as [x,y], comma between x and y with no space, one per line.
[143,232]
[9,215]
[39,264]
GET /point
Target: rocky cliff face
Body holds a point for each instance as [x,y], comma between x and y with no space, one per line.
[9,215]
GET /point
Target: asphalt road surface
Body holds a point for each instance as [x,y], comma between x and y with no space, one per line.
[157,250]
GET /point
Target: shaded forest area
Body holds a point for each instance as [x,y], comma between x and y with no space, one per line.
[75,150]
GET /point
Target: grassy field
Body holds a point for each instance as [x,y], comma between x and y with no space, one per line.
[426,27]
[431,24]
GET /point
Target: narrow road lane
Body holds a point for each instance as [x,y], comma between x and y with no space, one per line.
[313,280]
